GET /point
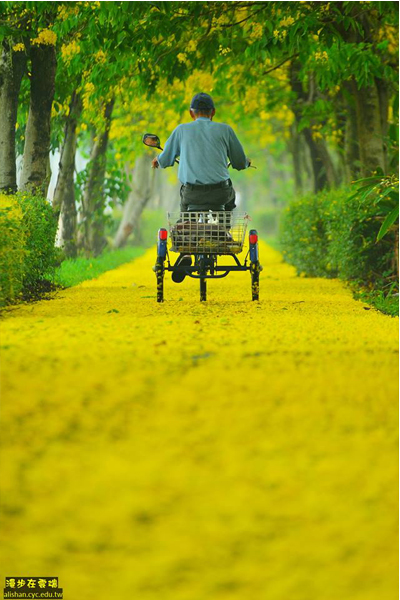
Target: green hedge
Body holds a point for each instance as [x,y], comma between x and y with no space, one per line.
[332,234]
[12,249]
[27,252]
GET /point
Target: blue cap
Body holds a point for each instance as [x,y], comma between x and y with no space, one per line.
[202,101]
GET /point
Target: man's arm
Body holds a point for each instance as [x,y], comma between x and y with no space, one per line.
[236,153]
[172,149]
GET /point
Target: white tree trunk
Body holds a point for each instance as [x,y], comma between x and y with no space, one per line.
[64,193]
[142,189]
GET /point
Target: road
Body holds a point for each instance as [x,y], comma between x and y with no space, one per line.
[197,451]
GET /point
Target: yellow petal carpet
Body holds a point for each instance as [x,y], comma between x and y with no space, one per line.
[188,451]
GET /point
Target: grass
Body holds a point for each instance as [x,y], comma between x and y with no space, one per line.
[386,302]
[74,271]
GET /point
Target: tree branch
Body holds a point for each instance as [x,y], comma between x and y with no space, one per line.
[281,63]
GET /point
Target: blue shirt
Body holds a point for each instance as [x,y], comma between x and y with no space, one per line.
[204,148]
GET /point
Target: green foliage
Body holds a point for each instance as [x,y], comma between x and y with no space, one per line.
[331,234]
[74,271]
[304,236]
[391,218]
[384,190]
[41,228]
[27,252]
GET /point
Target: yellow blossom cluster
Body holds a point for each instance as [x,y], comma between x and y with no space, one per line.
[174,450]
[321,56]
[256,32]
[88,90]
[191,46]
[182,57]
[325,6]
[218,22]
[100,57]
[68,51]
[281,74]
[280,34]
[170,40]
[67,10]
[287,22]
[391,34]
[316,131]
[223,50]
[46,37]
[18,47]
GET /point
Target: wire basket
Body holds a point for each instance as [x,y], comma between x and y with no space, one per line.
[209,232]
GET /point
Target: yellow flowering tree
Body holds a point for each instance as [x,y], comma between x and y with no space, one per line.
[313,58]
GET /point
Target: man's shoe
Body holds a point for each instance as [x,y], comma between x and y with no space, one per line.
[183,261]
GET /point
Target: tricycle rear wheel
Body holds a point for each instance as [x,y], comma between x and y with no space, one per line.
[203,289]
[255,282]
[160,279]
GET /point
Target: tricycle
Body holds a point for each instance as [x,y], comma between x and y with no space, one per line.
[205,235]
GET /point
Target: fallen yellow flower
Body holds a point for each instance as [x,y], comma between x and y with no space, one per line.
[200,451]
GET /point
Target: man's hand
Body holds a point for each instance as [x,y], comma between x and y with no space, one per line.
[154,163]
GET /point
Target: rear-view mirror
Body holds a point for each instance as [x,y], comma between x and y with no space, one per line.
[152,140]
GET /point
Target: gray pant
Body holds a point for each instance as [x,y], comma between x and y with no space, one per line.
[208,199]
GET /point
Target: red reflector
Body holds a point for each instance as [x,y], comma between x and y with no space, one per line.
[253,238]
[162,234]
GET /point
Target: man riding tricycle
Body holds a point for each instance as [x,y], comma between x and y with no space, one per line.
[206,227]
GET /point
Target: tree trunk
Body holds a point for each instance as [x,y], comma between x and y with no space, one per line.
[351,147]
[37,134]
[142,189]
[12,67]
[64,193]
[332,177]
[383,95]
[319,172]
[93,197]
[68,221]
[295,149]
[323,168]
[369,129]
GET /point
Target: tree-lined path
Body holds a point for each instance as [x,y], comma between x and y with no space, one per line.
[227,449]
